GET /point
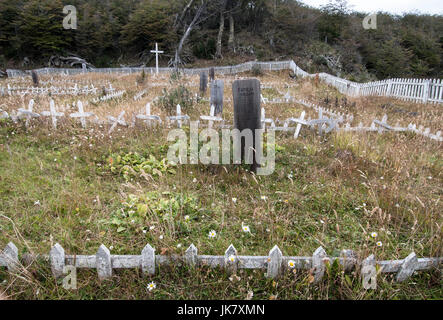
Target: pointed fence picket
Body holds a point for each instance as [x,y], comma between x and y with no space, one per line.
[275,263]
[416,90]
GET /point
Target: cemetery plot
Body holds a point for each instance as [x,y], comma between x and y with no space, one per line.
[356,181]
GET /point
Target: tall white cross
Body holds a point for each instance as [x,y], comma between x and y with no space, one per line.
[156,51]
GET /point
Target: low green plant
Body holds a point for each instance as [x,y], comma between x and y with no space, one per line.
[132,165]
[138,210]
[171,98]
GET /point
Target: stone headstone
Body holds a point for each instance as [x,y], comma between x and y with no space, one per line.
[84,67]
[203,83]
[247,114]
[217,87]
[211,74]
[34,78]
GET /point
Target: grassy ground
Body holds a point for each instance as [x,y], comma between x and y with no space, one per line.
[82,188]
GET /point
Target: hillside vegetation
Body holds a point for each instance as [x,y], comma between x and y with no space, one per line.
[122,32]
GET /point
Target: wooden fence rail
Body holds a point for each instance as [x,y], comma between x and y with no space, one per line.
[274,263]
[416,90]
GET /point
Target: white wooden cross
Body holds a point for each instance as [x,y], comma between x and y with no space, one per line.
[28,112]
[264,121]
[140,94]
[53,113]
[179,117]
[156,51]
[288,97]
[148,117]
[284,128]
[298,128]
[81,114]
[322,122]
[299,121]
[211,118]
[115,121]
[263,99]
[383,125]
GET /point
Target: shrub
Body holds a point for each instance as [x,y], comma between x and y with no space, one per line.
[171,98]
[256,71]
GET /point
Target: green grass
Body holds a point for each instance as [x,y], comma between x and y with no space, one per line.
[324,192]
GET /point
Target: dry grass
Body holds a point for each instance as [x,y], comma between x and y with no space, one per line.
[331,191]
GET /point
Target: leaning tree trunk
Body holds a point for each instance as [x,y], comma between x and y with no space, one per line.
[178,51]
[231,41]
[218,52]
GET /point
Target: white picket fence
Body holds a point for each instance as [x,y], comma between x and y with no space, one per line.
[75,90]
[275,263]
[416,90]
[323,123]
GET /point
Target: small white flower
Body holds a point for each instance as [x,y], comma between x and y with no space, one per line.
[75,158]
[234,200]
[231,258]
[397,205]
[430,178]
[381,178]
[179,245]
[194,180]
[374,235]
[144,231]
[322,222]
[246,228]
[55,160]
[291,264]
[37,203]
[151,227]
[111,247]
[151,286]
[264,198]
[212,234]
[186,218]
[379,244]
[161,237]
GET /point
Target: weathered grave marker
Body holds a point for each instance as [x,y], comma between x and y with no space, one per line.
[211,74]
[81,114]
[117,121]
[203,83]
[28,113]
[211,118]
[53,113]
[148,117]
[34,78]
[156,51]
[217,88]
[247,115]
[179,117]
